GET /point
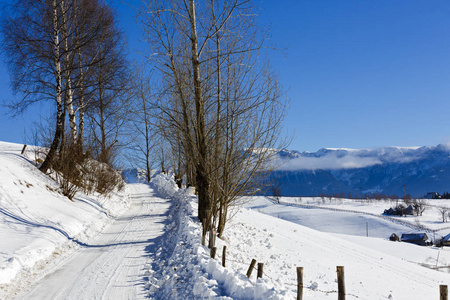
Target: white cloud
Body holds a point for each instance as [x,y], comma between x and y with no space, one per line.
[329,162]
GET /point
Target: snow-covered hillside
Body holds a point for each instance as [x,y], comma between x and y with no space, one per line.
[101,248]
[37,223]
[381,170]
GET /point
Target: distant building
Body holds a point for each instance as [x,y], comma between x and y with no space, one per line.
[416,238]
[409,211]
[400,210]
[446,240]
[394,237]
[432,195]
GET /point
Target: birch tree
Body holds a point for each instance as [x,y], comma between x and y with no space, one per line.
[109,98]
[52,48]
[32,43]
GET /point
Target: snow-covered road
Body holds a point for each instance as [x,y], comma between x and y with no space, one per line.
[112,266]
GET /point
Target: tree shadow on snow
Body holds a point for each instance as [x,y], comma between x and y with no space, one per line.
[157,248]
[162,247]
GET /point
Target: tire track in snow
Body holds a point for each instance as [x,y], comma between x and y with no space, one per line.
[113,265]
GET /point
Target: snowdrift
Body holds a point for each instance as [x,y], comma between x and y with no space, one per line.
[188,272]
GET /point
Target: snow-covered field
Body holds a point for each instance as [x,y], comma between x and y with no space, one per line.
[375,268]
[354,217]
[44,234]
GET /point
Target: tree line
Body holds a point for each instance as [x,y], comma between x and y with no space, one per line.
[219,105]
[71,53]
[208,104]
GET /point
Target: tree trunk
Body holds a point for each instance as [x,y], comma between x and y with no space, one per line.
[68,74]
[47,164]
[202,172]
[147,141]
[81,113]
[81,108]
[217,195]
[103,149]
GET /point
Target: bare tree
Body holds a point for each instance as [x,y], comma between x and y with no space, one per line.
[444,210]
[224,104]
[420,205]
[108,106]
[276,192]
[69,52]
[31,32]
[51,48]
[141,121]
[87,27]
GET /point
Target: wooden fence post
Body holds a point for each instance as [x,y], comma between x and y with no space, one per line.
[299,283]
[260,270]
[250,269]
[341,283]
[444,292]
[224,254]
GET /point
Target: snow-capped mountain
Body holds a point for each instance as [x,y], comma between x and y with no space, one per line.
[381,170]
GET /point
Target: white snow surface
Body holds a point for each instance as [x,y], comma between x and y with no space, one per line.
[112,265]
[146,243]
[375,268]
[37,223]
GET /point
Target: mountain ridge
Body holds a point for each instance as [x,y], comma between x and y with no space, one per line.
[379,170]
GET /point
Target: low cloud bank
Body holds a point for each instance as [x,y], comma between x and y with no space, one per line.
[329,162]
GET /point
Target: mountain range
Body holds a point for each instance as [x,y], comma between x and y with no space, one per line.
[389,170]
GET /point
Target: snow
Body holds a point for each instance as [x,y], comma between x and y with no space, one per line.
[37,222]
[430,220]
[111,266]
[186,261]
[146,243]
[375,267]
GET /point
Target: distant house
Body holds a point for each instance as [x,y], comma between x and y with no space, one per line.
[390,212]
[432,195]
[446,240]
[409,211]
[400,210]
[416,238]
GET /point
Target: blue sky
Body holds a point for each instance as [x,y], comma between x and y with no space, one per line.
[358,73]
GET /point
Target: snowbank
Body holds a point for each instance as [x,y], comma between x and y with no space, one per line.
[189,262]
